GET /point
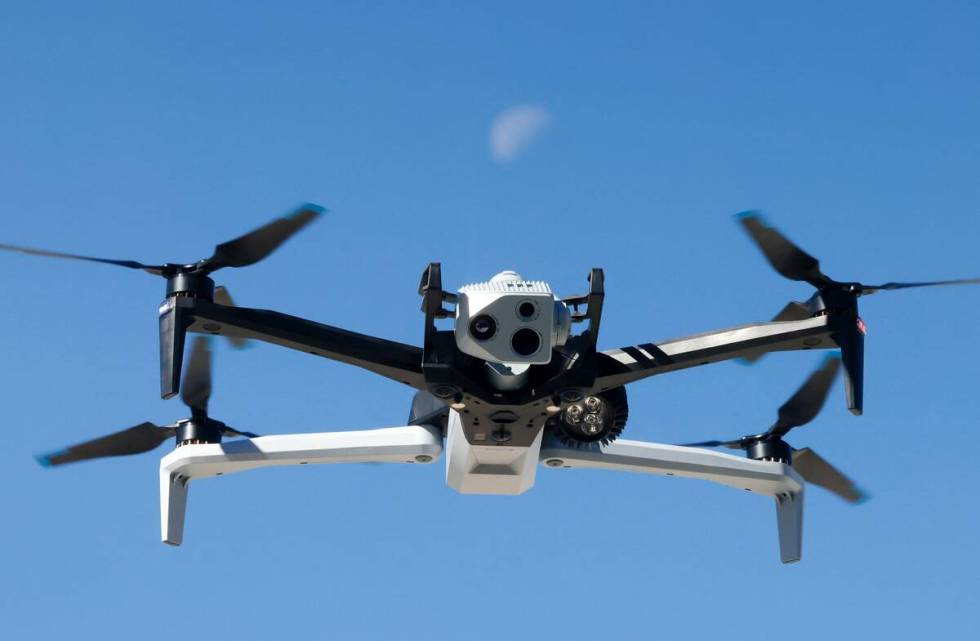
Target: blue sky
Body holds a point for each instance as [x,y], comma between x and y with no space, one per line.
[154,132]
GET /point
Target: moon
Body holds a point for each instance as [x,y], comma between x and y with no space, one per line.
[514,129]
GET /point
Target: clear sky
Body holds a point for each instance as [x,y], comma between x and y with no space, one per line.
[631,135]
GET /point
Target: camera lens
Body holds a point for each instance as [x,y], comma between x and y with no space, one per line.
[525,341]
[526,310]
[483,327]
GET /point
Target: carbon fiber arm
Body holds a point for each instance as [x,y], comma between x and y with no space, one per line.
[628,364]
[397,361]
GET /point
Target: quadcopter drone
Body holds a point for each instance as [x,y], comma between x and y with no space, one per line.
[509,387]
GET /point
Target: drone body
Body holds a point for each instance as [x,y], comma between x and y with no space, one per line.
[510,388]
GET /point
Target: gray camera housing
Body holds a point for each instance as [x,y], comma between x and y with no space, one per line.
[510,320]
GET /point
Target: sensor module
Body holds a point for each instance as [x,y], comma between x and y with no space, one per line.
[510,320]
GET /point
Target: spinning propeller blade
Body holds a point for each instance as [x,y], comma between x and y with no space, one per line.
[732,445]
[147,436]
[233,432]
[182,278]
[135,440]
[871,289]
[131,264]
[785,257]
[818,471]
[793,311]
[795,264]
[837,298]
[259,243]
[223,297]
[244,250]
[196,390]
[799,410]
[807,402]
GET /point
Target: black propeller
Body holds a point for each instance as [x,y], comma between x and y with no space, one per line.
[835,298]
[223,297]
[244,250]
[799,410]
[196,391]
[147,436]
[795,264]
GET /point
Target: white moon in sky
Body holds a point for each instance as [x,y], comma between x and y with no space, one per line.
[514,128]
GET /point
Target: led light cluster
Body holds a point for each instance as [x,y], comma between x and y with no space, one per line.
[588,415]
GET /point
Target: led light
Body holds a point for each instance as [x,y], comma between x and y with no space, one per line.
[573,414]
[592,424]
[593,404]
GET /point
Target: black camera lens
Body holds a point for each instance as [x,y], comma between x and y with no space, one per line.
[527,309]
[525,341]
[483,327]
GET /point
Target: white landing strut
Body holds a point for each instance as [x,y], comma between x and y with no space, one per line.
[411,444]
[770,478]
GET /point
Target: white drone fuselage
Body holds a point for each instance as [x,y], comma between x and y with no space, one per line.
[507,389]
[510,324]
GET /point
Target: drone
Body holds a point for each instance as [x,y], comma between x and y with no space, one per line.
[511,387]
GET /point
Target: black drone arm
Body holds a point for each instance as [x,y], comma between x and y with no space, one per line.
[621,366]
[397,361]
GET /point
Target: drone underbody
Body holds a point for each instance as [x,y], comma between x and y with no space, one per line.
[509,388]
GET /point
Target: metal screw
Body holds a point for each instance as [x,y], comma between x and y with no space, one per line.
[554,462]
[423,458]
